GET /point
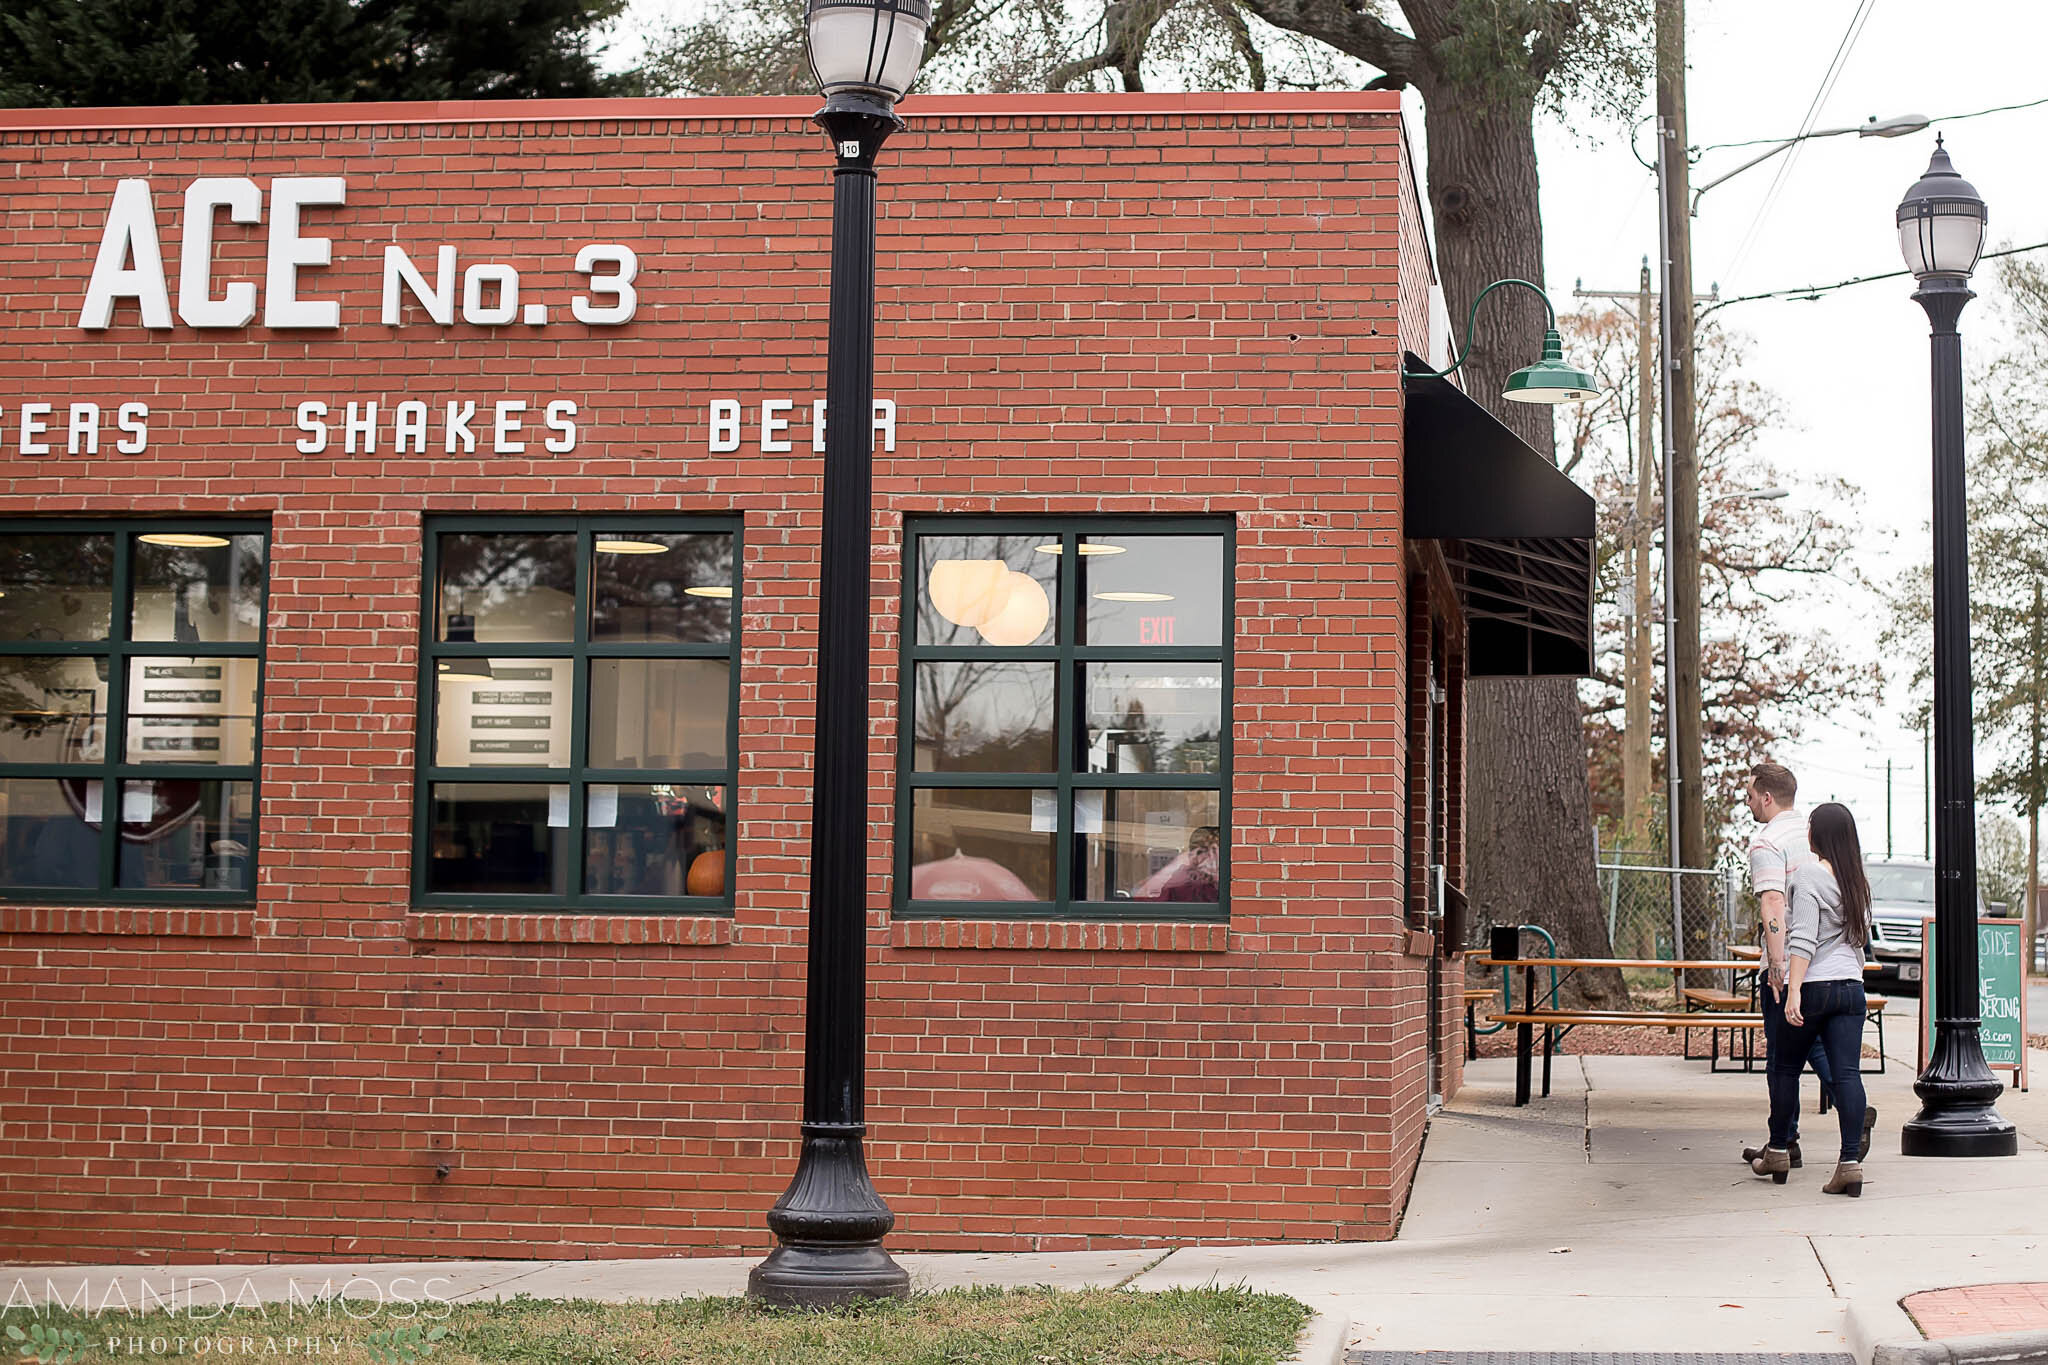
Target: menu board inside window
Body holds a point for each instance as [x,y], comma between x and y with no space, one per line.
[192,710]
[503,713]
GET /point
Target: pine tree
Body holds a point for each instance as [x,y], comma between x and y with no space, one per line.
[71,53]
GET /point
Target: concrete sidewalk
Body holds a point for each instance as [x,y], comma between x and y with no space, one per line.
[1612,1216]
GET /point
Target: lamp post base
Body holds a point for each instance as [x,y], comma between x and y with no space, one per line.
[1958,1097]
[1947,1128]
[830,1223]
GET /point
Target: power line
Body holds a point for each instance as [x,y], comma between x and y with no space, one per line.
[1944,118]
[1836,65]
[1814,291]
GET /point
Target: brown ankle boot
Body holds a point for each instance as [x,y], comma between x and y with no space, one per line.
[1750,1154]
[1848,1179]
[1774,1162]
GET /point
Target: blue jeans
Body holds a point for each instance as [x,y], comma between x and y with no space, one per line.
[1774,1024]
[1833,1013]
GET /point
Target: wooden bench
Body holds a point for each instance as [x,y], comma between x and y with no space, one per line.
[1555,1023]
[1701,1000]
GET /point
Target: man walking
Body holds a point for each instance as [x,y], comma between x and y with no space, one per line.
[1778,847]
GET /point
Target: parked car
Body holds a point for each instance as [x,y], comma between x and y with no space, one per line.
[1901,901]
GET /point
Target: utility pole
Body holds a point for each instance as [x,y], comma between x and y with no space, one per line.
[1683,761]
[1927,786]
[1639,652]
[2036,794]
[1887,808]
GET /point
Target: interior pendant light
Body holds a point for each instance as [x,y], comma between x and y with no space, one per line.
[462,631]
[182,540]
[1024,615]
[969,592]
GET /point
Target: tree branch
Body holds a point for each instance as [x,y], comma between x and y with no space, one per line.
[1352,32]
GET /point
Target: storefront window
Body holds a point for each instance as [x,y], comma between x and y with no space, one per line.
[1067,715]
[579,703]
[131,666]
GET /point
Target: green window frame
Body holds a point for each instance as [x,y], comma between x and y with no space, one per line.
[579,775]
[116,656]
[1067,775]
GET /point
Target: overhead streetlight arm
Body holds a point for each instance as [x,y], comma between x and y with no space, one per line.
[1472,319]
[1896,126]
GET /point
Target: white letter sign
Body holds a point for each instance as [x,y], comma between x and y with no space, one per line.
[130,233]
[244,203]
[282,306]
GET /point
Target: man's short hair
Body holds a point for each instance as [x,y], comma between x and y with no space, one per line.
[1775,780]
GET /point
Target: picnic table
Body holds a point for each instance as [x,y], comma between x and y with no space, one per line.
[1556,1022]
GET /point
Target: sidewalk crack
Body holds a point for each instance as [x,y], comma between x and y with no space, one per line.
[1821,1261]
[1148,1266]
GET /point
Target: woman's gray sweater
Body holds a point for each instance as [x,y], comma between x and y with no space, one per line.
[1816,928]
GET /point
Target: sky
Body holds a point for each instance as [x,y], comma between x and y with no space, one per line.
[1850,367]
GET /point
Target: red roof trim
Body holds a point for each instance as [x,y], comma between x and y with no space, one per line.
[768,108]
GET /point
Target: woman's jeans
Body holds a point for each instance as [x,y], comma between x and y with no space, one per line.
[1833,1013]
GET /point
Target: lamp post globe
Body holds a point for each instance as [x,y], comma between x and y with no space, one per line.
[1941,233]
[830,1222]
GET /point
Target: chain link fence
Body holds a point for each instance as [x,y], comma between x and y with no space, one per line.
[1644,920]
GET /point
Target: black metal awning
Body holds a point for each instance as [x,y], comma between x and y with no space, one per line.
[1519,533]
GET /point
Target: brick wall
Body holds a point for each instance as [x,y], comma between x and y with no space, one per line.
[1152,304]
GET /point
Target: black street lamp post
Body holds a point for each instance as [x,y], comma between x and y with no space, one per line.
[830,1222]
[1941,232]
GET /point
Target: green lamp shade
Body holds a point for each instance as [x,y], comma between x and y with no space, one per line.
[1550,380]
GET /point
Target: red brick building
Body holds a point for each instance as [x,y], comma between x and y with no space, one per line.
[408,547]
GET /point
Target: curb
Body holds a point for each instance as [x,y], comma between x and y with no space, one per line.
[1322,1341]
[2018,1348]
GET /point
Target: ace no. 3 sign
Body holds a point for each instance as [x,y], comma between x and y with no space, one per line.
[2002,995]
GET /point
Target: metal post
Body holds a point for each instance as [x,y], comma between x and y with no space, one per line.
[830,1222]
[1957,1090]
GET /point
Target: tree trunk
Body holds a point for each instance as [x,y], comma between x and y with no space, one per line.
[1530,810]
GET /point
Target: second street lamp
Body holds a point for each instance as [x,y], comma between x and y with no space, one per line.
[830,1222]
[1941,232]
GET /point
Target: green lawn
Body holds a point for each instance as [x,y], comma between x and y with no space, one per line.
[959,1327]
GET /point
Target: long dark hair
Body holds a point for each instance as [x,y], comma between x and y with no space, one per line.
[1831,830]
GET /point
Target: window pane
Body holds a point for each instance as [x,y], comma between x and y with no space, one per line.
[658,713]
[1156,718]
[658,840]
[192,592]
[56,587]
[982,844]
[502,713]
[1148,845]
[192,710]
[186,835]
[50,832]
[976,590]
[986,717]
[507,589]
[52,710]
[1152,590]
[498,838]
[648,588]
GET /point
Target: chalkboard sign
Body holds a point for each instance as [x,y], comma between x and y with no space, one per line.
[2002,1006]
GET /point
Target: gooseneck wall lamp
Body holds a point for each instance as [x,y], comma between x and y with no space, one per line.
[830,1222]
[1941,233]
[1549,380]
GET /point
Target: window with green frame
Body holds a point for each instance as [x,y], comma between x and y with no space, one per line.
[578,705]
[1066,720]
[131,682]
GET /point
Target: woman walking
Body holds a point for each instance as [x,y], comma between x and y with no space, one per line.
[1828,925]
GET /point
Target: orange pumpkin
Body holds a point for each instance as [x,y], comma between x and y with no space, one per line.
[707,874]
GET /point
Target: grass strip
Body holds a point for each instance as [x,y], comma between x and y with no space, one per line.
[958,1327]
